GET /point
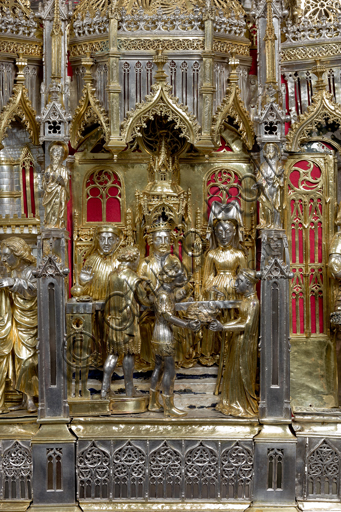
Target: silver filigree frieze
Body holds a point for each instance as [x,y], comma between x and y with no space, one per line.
[177,21]
[90,26]
[306,30]
[18,25]
[164,470]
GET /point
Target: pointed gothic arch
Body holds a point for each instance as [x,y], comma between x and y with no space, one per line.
[160,103]
[89,110]
[322,108]
[19,106]
[233,106]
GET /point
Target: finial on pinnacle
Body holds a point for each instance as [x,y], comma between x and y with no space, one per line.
[319,71]
[234,63]
[160,60]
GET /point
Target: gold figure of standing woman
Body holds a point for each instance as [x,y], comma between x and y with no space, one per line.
[238,395]
[221,266]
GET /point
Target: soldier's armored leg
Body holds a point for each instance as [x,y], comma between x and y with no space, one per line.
[108,370]
[154,404]
[128,370]
[168,389]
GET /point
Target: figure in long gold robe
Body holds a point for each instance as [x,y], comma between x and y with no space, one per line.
[6,343]
[22,286]
[220,271]
[238,395]
[100,261]
[56,188]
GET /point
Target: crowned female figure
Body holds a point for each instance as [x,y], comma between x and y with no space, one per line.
[222,262]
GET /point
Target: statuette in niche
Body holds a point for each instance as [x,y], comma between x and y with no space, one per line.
[56,187]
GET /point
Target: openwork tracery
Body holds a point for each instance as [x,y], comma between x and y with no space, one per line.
[233,106]
[19,106]
[93,472]
[103,196]
[201,472]
[323,471]
[129,472]
[90,111]
[165,472]
[323,108]
[160,103]
[17,472]
[307,216]
[236,472]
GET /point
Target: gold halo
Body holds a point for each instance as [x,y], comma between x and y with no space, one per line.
[64,146]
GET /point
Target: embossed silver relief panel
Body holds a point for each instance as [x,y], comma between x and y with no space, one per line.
[164,470]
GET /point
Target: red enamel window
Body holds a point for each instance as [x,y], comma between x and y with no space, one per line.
[27,176]
[306,196]
[103,197]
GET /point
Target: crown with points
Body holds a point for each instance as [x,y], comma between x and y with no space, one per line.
[160,225]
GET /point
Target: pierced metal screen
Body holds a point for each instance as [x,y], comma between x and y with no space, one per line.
[165,470]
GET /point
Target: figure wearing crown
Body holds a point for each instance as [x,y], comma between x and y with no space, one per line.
[159,239]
